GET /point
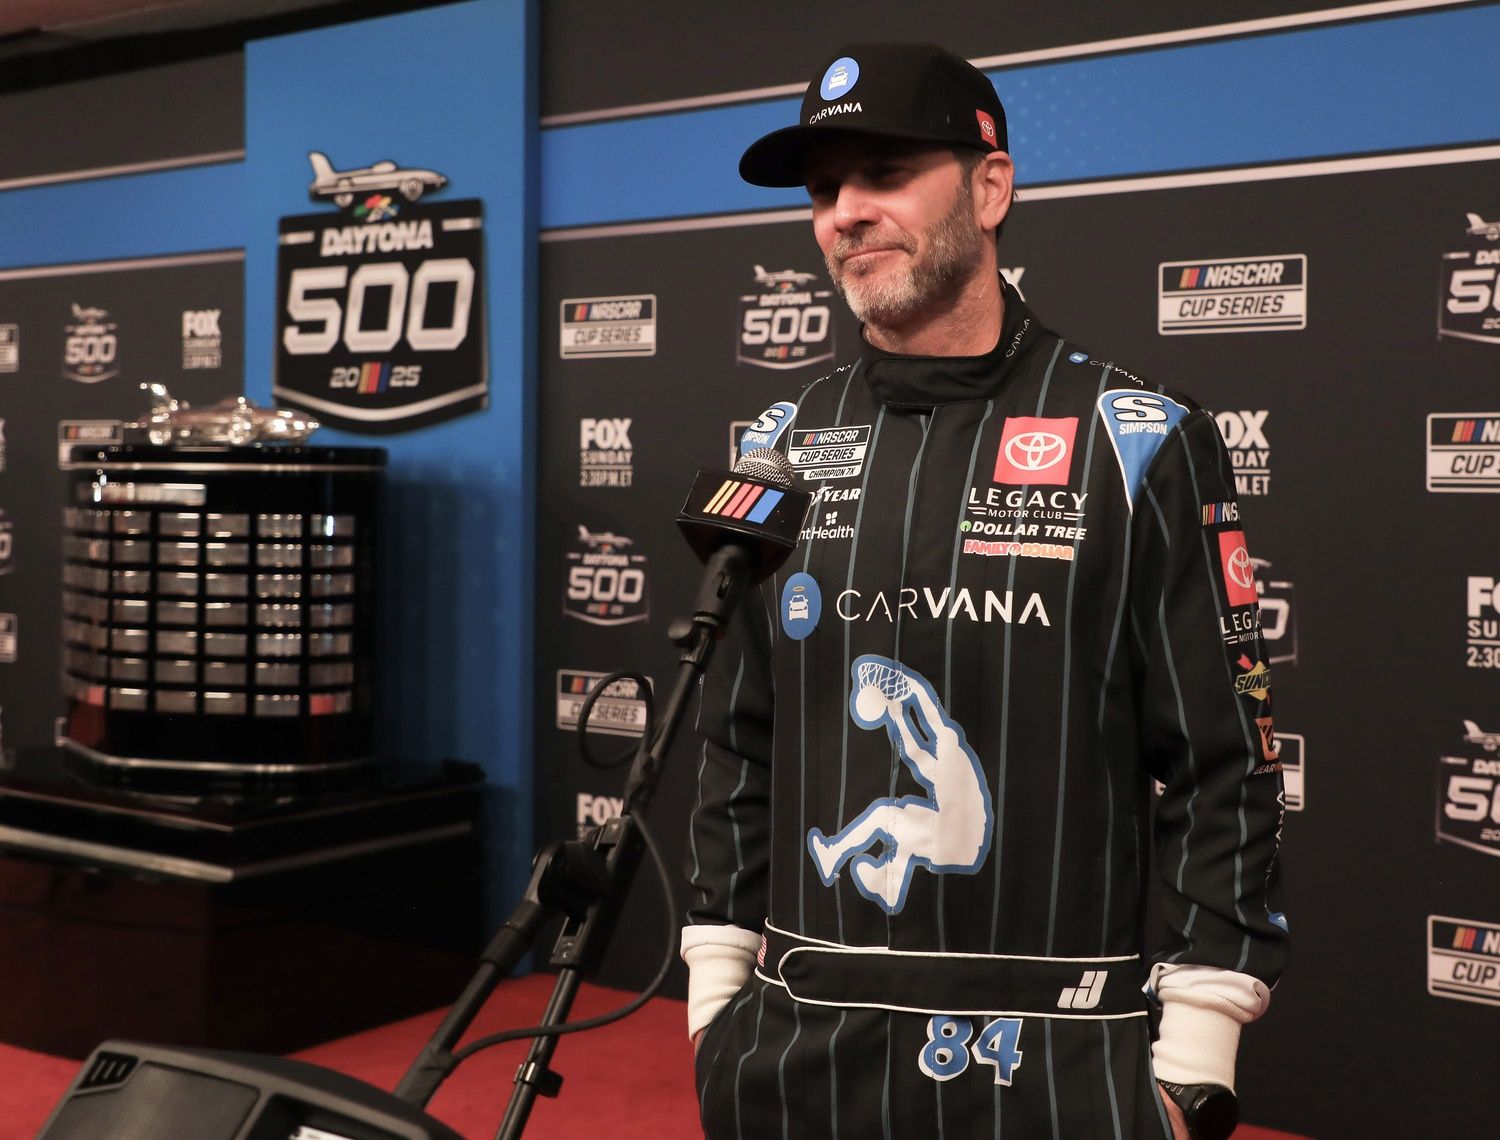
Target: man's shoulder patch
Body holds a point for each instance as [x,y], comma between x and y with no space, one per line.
[1138,423]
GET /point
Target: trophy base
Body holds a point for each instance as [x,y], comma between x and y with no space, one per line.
[254,920]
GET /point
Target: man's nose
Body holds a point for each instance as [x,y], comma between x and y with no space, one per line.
[853,208]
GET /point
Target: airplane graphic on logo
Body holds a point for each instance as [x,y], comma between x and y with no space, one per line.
[614,541]
[1478,227]
[1473,734]
[342,185]
[786,277]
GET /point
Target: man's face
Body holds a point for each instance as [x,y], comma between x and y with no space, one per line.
[896,225]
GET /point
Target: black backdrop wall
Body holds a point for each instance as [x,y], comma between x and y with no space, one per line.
[1352,148]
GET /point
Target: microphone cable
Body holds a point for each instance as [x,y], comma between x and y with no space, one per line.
[458,1056]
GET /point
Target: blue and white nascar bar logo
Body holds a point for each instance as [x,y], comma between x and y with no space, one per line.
[1463,959]
[1241,294]
[608,326]
[1463,451]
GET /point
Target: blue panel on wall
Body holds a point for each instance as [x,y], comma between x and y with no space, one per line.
[1348,89]
[142,215]
[448,89]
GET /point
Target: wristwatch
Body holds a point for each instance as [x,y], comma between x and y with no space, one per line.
[1211,1111]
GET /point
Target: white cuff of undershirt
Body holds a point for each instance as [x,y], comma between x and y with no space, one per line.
[720,959]
[1202,1010]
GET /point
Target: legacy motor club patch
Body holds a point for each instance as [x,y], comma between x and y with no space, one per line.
[381,307]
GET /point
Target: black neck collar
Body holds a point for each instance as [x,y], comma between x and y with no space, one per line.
[922,382]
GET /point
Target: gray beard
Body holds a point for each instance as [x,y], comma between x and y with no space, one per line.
[955,248]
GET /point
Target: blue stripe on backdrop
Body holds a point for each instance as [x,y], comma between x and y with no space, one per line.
[1408,82]
[448,88]
[139,215]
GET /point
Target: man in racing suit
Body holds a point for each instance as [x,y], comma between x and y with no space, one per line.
[919,849]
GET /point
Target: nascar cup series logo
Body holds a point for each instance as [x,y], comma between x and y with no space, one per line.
[619,711]
[786,322]
[1463,451]
[828,453]
[592,327]
[1463,959]
[1470,284]
[1242,294]
[91,346]
[606,582]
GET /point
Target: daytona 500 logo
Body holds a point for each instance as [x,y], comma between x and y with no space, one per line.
[381,307]
[786,322]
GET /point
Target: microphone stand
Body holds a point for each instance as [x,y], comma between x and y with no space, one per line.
[584,879]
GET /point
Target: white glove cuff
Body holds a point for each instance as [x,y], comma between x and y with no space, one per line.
[1197,1046]
[1203,1009]
[720,959]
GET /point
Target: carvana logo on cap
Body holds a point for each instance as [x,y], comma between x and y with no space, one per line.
[841,76]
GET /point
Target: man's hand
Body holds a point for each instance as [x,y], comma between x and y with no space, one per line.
[1174,1115]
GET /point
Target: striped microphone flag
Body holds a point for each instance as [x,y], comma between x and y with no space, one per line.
[738,499]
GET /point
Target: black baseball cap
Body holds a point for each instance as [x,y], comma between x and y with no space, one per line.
[911,91]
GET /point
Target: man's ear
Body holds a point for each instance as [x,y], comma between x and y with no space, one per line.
[994,187]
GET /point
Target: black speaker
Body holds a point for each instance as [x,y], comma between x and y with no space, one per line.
[127,1091]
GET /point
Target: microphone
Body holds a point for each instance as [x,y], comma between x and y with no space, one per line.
[742,525]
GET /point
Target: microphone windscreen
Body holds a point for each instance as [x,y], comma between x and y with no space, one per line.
[766,464]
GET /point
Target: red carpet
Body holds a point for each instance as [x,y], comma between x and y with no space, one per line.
[634,1077]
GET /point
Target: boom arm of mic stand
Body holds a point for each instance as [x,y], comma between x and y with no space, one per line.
[574,878]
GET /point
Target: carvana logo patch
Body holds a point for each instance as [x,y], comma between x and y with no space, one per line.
[801,606]
[840,78]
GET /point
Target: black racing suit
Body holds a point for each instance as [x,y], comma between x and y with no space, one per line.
[1022,594]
